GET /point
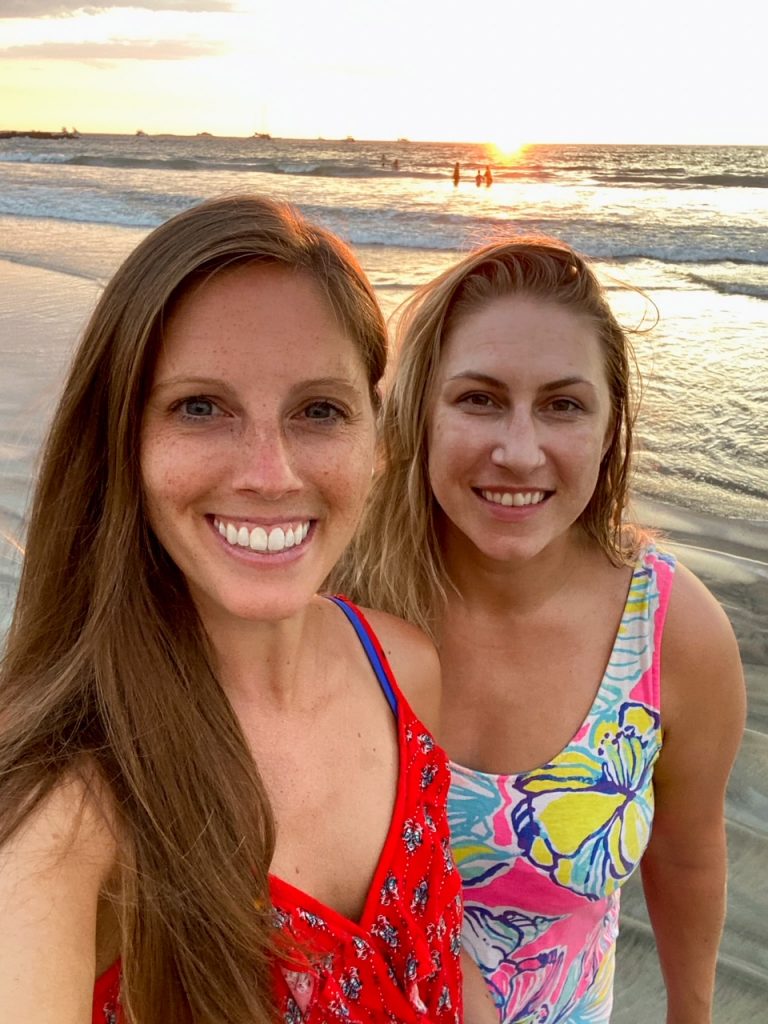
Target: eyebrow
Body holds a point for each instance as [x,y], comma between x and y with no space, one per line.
[494,382]
[216,382]
[183,379]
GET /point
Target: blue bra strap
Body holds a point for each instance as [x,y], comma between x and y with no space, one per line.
[370,650]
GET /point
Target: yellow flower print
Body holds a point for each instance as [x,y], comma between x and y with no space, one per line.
[587,814]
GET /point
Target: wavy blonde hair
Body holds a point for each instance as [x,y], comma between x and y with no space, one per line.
[395,562]
[107,667]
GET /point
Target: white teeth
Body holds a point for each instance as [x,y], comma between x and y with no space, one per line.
[276,540]
[517,498]
[260,539]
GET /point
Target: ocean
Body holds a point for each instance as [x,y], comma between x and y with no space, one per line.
[680,237]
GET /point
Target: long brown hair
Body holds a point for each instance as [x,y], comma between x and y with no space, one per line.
[107,667]
[395,562]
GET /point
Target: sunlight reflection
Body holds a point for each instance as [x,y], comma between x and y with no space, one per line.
[508,152]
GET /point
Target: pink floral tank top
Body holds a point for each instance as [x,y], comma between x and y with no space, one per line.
[543,854]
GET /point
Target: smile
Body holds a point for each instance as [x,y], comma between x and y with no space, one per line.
[257,538]
[516,498]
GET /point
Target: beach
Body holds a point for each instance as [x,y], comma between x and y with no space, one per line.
[703,432]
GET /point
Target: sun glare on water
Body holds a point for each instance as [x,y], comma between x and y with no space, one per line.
[507,150]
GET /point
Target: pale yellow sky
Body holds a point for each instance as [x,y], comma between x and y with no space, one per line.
[505,71]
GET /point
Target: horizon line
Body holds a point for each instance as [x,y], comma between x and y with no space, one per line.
[268,137]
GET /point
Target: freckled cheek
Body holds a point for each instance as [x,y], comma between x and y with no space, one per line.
[169,479]
[346,478]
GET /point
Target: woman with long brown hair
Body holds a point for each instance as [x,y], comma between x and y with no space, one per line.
[593,699]
[216,806]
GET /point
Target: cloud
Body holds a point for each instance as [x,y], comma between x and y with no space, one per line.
[131,49]
[57,9]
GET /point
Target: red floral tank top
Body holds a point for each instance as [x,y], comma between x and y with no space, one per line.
[400,963]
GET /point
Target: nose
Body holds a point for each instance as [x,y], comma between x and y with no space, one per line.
[518,444]
[265,463]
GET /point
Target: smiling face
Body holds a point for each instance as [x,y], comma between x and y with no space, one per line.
[257,442]
[519,420]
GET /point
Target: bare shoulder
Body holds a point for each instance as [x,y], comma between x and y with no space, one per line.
[703,706]
[414,662]
[700,655]
[697,628]
[52,871]
[73,826]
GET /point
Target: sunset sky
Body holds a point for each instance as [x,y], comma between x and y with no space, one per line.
[503,71]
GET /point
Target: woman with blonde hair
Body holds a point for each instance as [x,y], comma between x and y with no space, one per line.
[593,699]
[216,804]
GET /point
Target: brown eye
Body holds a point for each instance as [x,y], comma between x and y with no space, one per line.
[564,405]
[477,399]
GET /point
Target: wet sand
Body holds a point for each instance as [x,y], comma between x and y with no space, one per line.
[732,559]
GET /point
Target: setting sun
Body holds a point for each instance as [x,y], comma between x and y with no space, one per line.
[507,151]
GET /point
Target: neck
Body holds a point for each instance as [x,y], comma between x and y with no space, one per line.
[268,663]
[488,587]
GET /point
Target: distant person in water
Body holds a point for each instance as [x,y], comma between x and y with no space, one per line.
[215,798]
[478,178]
[456,174]
[488,177]
[593,698]
[395,164]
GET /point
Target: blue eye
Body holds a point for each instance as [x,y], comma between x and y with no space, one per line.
[197,408]
[324,412]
